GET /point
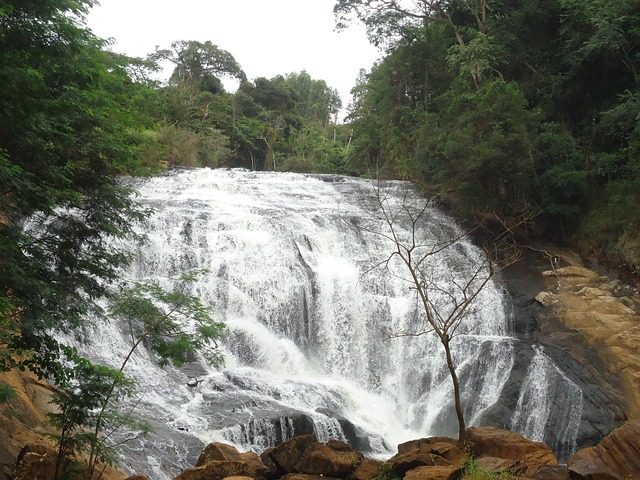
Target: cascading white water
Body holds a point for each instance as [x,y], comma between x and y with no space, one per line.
[306,346]
[557,402]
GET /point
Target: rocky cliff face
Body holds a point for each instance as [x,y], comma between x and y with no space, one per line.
[589,324]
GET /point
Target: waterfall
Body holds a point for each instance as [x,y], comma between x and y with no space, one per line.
[306,347]
[549,407]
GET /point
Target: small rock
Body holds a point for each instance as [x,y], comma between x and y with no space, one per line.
[546,299]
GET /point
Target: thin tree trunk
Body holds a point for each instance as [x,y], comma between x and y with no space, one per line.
[462,429]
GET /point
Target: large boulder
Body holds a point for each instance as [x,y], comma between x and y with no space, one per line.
[434,451]
[333,459]
[367,470]
[35,463]
[528,456]
[287,456]
[216,452]
[616,456]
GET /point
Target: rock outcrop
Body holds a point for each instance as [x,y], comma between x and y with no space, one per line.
[616,457]
[514,453]
[606,313]
[587,324]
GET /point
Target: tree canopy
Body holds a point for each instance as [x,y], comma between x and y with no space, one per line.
[508,108]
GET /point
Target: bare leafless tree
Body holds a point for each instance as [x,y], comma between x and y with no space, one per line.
[444,305]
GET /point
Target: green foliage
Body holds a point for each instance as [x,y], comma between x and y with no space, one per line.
[84,394]
[6,392]
[480,144]
[67,130]
[472,471]
[386,473]
[199,64]
[172,324]
[510,108]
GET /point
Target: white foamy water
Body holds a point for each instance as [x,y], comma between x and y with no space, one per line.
[306,347]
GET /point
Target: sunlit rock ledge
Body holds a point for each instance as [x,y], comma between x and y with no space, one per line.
[605,312]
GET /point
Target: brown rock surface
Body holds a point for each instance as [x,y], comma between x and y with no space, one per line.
[256,467]
[222,452]
[495,464]
[552,472]
[494,442]
[24,423]
[304,476]
[367,470]
[333,459]
[217,452]
[434,451]
[617,455]
[288,455]
[606,313]
[434,472]
[215,470]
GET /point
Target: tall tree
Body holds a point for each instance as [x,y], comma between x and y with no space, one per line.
[200,64]
[66,132]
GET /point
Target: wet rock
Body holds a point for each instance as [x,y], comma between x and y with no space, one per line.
[617,455]
[566,344]
[137,477]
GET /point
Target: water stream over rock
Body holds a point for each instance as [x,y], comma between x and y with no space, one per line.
[306,347]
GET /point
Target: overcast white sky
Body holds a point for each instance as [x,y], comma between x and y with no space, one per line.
[266,37]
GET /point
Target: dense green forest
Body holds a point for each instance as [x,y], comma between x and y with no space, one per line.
[509,108]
